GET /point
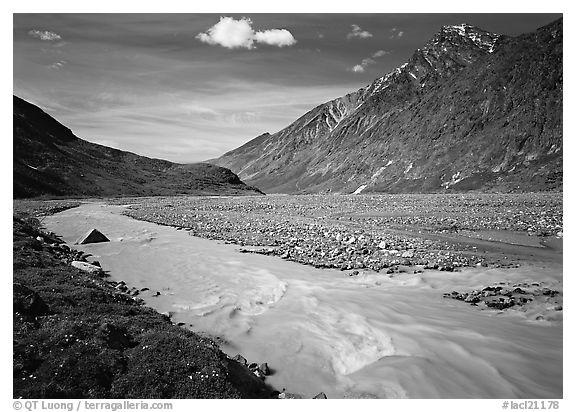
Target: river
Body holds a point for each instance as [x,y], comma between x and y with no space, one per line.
[366,336]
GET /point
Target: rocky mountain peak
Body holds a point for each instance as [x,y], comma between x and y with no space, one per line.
[448,51]
[466,34]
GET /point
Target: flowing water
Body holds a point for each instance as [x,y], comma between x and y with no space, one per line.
[321,330]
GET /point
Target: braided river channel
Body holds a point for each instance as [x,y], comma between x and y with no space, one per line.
[321,330]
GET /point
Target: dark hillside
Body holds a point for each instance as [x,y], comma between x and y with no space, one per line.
[50,160]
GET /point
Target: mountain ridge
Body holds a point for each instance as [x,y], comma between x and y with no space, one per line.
[50,160]
[416,112]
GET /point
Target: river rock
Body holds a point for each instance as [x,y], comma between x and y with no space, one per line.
[86,267]
[259,373]
[265,369]
[408,254]
[472,298]
[93,236]
[240,359]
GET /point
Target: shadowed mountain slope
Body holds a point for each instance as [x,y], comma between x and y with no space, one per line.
[49,160]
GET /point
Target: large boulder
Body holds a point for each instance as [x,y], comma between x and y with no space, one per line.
[87,267]
[93,236]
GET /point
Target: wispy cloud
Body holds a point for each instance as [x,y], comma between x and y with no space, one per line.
[196,109]
[396,34]
[361,68]
[233,34]
[358,32]
[58,64]
[380,53]
[44,35]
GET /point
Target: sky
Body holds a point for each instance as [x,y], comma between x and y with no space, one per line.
[190,87]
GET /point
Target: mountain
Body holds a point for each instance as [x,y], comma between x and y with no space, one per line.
[470,110]
[49,160]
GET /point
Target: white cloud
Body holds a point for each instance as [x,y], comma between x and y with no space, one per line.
[361,68]
[44,35]
[275,37]
[396,34]
[358,32]
[230,33]
[233,34]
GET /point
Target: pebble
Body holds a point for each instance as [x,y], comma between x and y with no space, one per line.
[240,359]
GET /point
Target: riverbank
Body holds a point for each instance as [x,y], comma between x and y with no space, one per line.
[78,335]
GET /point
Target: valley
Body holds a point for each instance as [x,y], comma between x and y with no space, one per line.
[403,240]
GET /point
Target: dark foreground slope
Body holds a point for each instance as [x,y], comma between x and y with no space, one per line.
[50,160]
[76,336]
[470,110]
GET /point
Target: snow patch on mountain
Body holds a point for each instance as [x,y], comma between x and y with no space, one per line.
[360,189]
[483,39]
[456,177]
